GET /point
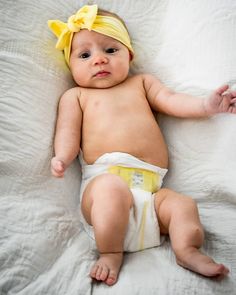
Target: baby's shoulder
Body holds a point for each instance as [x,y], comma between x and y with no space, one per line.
[141,77]
[72,93]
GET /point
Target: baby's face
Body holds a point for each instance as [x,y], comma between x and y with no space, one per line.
[98,61]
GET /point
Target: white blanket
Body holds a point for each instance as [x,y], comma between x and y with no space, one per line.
[190,45]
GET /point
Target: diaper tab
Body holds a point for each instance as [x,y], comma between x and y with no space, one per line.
[138,178]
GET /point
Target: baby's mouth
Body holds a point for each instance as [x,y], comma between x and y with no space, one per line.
[102,74]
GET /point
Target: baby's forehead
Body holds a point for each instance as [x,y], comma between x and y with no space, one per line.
[88,38]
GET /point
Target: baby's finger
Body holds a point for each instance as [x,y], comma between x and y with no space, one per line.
[233,93]
[233,100]
[222,89]
[227,96]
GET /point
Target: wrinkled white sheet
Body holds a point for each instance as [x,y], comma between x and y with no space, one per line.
[190,45]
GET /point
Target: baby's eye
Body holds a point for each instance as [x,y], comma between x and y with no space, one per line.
[84,55]
[111,50]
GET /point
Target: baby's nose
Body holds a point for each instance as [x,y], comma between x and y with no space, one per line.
[100,59]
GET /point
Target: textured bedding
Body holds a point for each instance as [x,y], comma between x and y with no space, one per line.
[190,45]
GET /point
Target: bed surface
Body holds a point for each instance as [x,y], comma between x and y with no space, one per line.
[190,46]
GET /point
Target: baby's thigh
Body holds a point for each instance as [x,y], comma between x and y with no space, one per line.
[103,190]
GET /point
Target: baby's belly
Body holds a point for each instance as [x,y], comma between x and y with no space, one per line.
[150,148]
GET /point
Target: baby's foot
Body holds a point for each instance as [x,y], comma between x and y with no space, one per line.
[107,268]
[57,167]
[202,264]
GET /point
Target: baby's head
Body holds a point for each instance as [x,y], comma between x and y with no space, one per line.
[96,46]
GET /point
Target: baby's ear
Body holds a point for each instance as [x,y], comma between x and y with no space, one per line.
[131,56]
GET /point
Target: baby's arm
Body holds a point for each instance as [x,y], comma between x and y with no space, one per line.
[183,105]
[68,132]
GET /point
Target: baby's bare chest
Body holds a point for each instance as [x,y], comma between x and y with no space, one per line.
[119,107]
[118,120]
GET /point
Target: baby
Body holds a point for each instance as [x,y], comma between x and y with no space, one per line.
[108,120]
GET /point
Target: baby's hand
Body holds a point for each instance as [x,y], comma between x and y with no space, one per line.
[57,167]
[221,100]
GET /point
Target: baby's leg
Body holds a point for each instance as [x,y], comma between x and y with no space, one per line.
[178,217]
[106,204]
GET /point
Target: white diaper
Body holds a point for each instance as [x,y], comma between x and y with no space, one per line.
[144,180]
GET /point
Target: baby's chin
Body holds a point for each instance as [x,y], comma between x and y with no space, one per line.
[101,83]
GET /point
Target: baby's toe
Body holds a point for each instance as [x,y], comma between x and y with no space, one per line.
[112,278]
[94,270]
[104,273]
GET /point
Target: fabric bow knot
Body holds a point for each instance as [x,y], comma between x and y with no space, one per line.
[84,18]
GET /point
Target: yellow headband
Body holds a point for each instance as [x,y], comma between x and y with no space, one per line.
[87,18]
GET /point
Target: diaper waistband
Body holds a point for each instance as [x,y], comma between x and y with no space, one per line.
[118,159]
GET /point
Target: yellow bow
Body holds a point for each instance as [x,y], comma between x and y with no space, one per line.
[87,18]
